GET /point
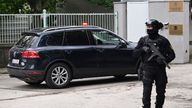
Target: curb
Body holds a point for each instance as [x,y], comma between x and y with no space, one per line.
[3,70]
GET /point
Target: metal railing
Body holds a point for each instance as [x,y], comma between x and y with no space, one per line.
[11,25]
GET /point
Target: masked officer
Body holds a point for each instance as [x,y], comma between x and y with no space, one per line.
[154,70]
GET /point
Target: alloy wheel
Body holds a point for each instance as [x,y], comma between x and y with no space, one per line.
[59,75]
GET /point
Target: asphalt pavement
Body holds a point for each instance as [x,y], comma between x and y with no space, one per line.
[97,93]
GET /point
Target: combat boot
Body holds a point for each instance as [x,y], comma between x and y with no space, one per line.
[158,106]
[147,106]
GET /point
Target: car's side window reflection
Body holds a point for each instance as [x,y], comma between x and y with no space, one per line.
[105,38]
[53,39]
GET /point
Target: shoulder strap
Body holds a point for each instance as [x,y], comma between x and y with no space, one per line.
[146,39]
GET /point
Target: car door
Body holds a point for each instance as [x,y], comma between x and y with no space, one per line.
[80,53]
[115,53]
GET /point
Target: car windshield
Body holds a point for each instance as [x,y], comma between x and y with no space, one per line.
[25,41]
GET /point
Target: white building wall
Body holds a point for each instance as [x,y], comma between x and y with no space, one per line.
[137,15]
[190,38]
[159,9]
[121,9]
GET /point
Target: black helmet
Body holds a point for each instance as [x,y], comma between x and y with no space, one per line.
[154,23]
[153,27]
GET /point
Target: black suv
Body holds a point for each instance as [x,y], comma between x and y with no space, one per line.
[58,55]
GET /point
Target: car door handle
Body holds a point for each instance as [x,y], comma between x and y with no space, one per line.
[68,51]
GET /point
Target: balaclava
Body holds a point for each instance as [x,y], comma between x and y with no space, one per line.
[153,27]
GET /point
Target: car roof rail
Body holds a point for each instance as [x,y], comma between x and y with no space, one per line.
[30,33]
[68,27]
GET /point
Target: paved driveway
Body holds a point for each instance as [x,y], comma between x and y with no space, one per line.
[103,92]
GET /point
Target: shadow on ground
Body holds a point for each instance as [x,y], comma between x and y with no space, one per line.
[85,82]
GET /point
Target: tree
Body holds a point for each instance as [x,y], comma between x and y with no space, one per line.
[27,6]
[37,6]
[106,3]
[11,6]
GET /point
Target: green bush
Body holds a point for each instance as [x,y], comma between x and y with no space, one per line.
[106,3]
[11,6]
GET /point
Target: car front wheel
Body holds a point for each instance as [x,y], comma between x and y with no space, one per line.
[58,76]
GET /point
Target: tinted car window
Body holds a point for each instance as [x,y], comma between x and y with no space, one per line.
[105,38]
[54,39]
[25,41]
[77,37]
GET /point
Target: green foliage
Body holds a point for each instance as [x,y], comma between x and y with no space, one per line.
[51,7]
[37,6]
[11,6]
[106,3]
[27,6]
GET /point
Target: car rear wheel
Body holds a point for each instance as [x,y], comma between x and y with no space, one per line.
[58,76]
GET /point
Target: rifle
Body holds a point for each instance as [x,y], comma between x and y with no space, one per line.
[155,52]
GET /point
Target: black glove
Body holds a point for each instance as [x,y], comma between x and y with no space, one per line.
[159,60]
[146,49]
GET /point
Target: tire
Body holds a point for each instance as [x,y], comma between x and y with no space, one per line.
[58,76]
[34,83]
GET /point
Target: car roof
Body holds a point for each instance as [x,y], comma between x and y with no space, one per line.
[39,31]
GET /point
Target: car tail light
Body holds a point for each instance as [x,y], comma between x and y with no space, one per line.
[85,24]
[30,54]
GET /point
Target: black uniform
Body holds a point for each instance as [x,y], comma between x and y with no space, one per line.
[154,70]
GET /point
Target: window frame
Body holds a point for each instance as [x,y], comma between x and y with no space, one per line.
[108,32]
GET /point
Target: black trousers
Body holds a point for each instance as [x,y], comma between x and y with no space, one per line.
[151,74]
